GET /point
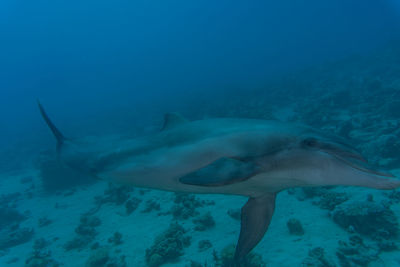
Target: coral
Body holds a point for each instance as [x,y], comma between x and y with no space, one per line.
[87,225]
[355,252]
[329,200]
[44,221]
[394,195]
[95,245]
[132,204]
[168,246]
[225,259]
[98,258]
[78,242]
[295,227]
[85,231]
[234,213]
[13,236]
[151,205]
[143,191]
[367,218]
[103,257]
[116,239]
[316,258]
[204,222]
[41,259]
[194,264]
[386,245]
[40,244]
[9,200]
[383,150]
[204,245]
[311,192]
[10,216]
[116,194]
[185,206]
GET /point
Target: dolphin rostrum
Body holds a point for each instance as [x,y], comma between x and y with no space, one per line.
[248,157]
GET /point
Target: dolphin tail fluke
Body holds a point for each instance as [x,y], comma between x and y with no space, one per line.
[255,219]
[58,135]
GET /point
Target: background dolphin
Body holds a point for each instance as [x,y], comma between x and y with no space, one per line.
[253,158]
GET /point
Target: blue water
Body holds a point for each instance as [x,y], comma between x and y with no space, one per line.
[115,67]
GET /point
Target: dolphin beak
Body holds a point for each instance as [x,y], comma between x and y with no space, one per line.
[346,154]
[365,168]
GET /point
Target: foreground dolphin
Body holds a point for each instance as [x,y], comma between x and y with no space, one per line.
[253,158]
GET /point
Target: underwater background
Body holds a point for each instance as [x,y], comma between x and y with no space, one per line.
[114,68]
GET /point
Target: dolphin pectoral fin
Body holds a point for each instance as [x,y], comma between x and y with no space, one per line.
[255,219]
[223,171]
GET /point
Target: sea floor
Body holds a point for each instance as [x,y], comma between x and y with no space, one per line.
[100,224]
[139,229]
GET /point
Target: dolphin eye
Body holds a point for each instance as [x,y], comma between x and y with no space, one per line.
[310,142]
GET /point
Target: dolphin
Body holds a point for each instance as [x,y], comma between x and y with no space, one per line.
[247,157]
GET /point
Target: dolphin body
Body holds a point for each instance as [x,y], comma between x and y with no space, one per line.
[248,157]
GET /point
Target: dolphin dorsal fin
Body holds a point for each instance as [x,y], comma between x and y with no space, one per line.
[57,134]
[173,119]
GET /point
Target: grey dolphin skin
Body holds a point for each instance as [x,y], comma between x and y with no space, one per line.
[252,158]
